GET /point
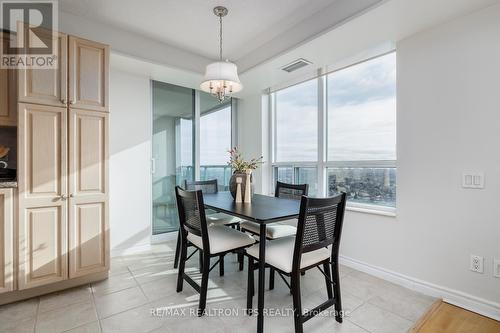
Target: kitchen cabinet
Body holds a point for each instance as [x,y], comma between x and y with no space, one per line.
[8,102]
[6,240]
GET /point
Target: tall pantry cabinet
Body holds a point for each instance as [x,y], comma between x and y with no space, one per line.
[63,228]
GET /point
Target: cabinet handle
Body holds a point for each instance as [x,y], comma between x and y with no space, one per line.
[72,102]
[63,197]
[71,195]
[64,101]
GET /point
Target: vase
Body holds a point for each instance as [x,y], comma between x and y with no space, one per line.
[232,183]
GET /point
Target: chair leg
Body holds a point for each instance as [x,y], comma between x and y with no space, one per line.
[250,286]
[328,278]
[200,258]
[204,285]
[177,250]
[221,265]
[336,290]
[271,278]
[182,264]
[297,303]
[240,261]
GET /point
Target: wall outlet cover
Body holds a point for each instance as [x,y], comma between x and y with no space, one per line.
[476,263]
[496,268]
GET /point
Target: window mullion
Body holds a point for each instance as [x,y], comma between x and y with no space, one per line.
[321,135]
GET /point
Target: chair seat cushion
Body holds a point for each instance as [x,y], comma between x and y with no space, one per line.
[279,253]
[222,239]
[221,219]
[273,231]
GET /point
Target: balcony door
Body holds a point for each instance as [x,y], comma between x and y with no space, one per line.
[192,133]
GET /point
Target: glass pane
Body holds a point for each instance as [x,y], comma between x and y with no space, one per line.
[284,175]
[172,150]
[362,111]
[297,123]
[215,140]
[309,176]
[376,186]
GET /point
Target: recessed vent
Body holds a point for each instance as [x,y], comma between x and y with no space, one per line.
[297,64]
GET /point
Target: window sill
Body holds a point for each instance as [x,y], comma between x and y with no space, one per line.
[368,209]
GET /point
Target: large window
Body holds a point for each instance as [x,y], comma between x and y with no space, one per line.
[354,149]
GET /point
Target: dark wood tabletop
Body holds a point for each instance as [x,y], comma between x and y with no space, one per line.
[262,209]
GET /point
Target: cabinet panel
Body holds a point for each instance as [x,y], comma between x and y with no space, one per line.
[46,86]
[6,240]
[88,70]
[88,203]
[42,195]
[8,107]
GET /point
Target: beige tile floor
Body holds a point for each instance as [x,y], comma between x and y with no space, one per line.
[138,284]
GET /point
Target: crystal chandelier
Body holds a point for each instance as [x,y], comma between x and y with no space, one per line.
[221,77]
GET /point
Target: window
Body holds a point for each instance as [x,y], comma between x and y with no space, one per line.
[296,123]
[215,140]
[359,133]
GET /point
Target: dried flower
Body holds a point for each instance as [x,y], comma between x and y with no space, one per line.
[238,164]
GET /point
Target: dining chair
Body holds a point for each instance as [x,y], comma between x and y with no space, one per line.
[316,245]
[215,241]
[213,217]
[279,229]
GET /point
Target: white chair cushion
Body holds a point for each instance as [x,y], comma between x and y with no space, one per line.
[221,219]
[222,239]
[273,230]
[279,253]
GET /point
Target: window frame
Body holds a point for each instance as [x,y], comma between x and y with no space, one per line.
[322,164]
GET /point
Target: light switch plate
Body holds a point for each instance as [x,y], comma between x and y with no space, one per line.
[496,268]
[473,180]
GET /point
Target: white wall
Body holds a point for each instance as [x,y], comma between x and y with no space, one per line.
[448,123]
[130,156]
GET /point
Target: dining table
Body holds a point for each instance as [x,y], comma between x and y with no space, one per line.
[264,210]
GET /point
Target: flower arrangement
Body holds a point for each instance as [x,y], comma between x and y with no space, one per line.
[238,164]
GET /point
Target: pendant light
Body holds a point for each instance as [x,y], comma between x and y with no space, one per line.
[221,77]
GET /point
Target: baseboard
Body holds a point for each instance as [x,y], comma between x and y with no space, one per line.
[472,303]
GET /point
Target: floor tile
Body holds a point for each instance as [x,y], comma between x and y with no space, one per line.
[20,326]
[66,318]
[137,320]
[114,283]
[377,320]
[19,310]
[403,302]
[93,327]
[119,301]
[63,298]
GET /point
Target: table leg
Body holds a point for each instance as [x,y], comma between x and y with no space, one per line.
[262,278]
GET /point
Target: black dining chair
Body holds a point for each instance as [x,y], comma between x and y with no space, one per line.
[213,217]
[316,245]
[280,229]
[211,242]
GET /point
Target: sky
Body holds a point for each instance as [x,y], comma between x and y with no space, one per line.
[361,115]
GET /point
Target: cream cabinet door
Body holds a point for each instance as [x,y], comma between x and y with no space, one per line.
[42,150]
[88,74]
[46,86]
[8,106]
[6,240]
[88,188]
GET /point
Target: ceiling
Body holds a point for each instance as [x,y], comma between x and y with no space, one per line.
[254,31]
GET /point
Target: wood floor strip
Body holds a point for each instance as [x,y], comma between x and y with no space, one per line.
[446,318]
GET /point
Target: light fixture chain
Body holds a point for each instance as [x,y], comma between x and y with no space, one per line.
[220,38]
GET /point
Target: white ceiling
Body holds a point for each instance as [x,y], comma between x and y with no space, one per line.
[254,30]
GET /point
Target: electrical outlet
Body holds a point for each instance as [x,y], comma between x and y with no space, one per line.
[476,263]
[496,268]
[473,180]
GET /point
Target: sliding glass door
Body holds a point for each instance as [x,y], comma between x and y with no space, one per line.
[178,115]
[173,115]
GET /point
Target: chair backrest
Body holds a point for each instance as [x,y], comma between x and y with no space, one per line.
[192,214]
[206,186]
[290,191]
[319,226]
